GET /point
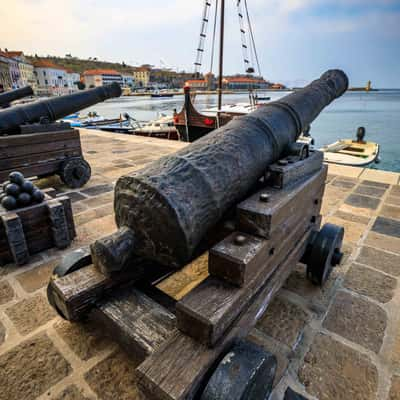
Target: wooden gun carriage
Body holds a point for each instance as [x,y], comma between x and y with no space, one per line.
[33,143]
[194,347]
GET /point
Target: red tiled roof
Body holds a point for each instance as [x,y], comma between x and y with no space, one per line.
[47,64]
[245,80]
[14,53]
[101,72]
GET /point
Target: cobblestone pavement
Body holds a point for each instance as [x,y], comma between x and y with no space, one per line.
[338,343]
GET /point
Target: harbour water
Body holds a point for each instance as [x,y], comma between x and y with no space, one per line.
[378,112]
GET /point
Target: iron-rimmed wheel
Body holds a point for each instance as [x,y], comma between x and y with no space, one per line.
[71,262]
[75,172]
[324,253]
[246,372]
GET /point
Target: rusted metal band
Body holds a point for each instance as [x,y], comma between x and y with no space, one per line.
[292,112]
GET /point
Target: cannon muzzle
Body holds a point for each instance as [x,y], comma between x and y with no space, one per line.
[165,210]
[7,97]
[54,108]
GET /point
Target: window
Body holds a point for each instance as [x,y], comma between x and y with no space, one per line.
[46,81]
[44,73]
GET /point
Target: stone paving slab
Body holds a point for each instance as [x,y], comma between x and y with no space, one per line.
[334,343]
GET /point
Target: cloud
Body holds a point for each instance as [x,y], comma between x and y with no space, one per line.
[146,31]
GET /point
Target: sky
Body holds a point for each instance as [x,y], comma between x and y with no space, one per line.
[297,40]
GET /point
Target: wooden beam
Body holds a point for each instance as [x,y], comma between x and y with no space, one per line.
[208,311]
[177,369]
[59,225]
[264,211]
[15,238]
[75,294]
[281,176]
[136,321]
[237,263]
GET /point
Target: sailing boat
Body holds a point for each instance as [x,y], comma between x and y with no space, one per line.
[192,124]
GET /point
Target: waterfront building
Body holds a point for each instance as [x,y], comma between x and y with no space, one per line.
[142,75]
[245,83]
[53,79]
[128,80]
[26,74]
[13,70]
[179,79]
[72,80]
[197,84]
[99,77]
[5,78]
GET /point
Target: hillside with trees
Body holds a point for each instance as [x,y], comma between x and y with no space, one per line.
[79,65]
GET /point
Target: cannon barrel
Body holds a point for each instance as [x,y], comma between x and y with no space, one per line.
[55,108]
[7,97]
[165,210]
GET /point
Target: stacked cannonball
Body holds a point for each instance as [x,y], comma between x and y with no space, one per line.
[19,192]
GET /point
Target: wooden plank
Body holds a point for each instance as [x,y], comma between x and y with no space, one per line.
[177,369]
[285,175]
[16,238]
[76,293]
[12,151]
[38,169]
[58,223]
[260,218]
[37,227]
[66,202]
[27,160]
[208,310]
[34,138]
[238,263]
[136,321]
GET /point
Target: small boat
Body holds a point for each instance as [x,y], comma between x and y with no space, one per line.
[358,153]
[81,121]
[162,128]
[158,94]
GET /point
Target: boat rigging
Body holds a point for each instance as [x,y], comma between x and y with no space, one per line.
[189,122]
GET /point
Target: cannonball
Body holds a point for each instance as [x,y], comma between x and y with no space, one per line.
[2,195]
[37,196]
[16,177]
[12,189]
[24,199]
[28,187]
[9,202]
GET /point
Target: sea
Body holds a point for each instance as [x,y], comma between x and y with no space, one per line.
[377,111]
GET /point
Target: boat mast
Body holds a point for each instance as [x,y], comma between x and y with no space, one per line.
[221,54]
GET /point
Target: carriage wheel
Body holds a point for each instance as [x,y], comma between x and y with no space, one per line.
[71,262]
[75,172]
[246,372]
[324,253]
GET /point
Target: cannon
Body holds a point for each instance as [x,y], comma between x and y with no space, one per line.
[8,97]
[32,142]
[242,205]
[151,207]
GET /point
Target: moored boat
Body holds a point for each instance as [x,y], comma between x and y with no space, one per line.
[357,153]
[159,94]
[162,128]
[192,124]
